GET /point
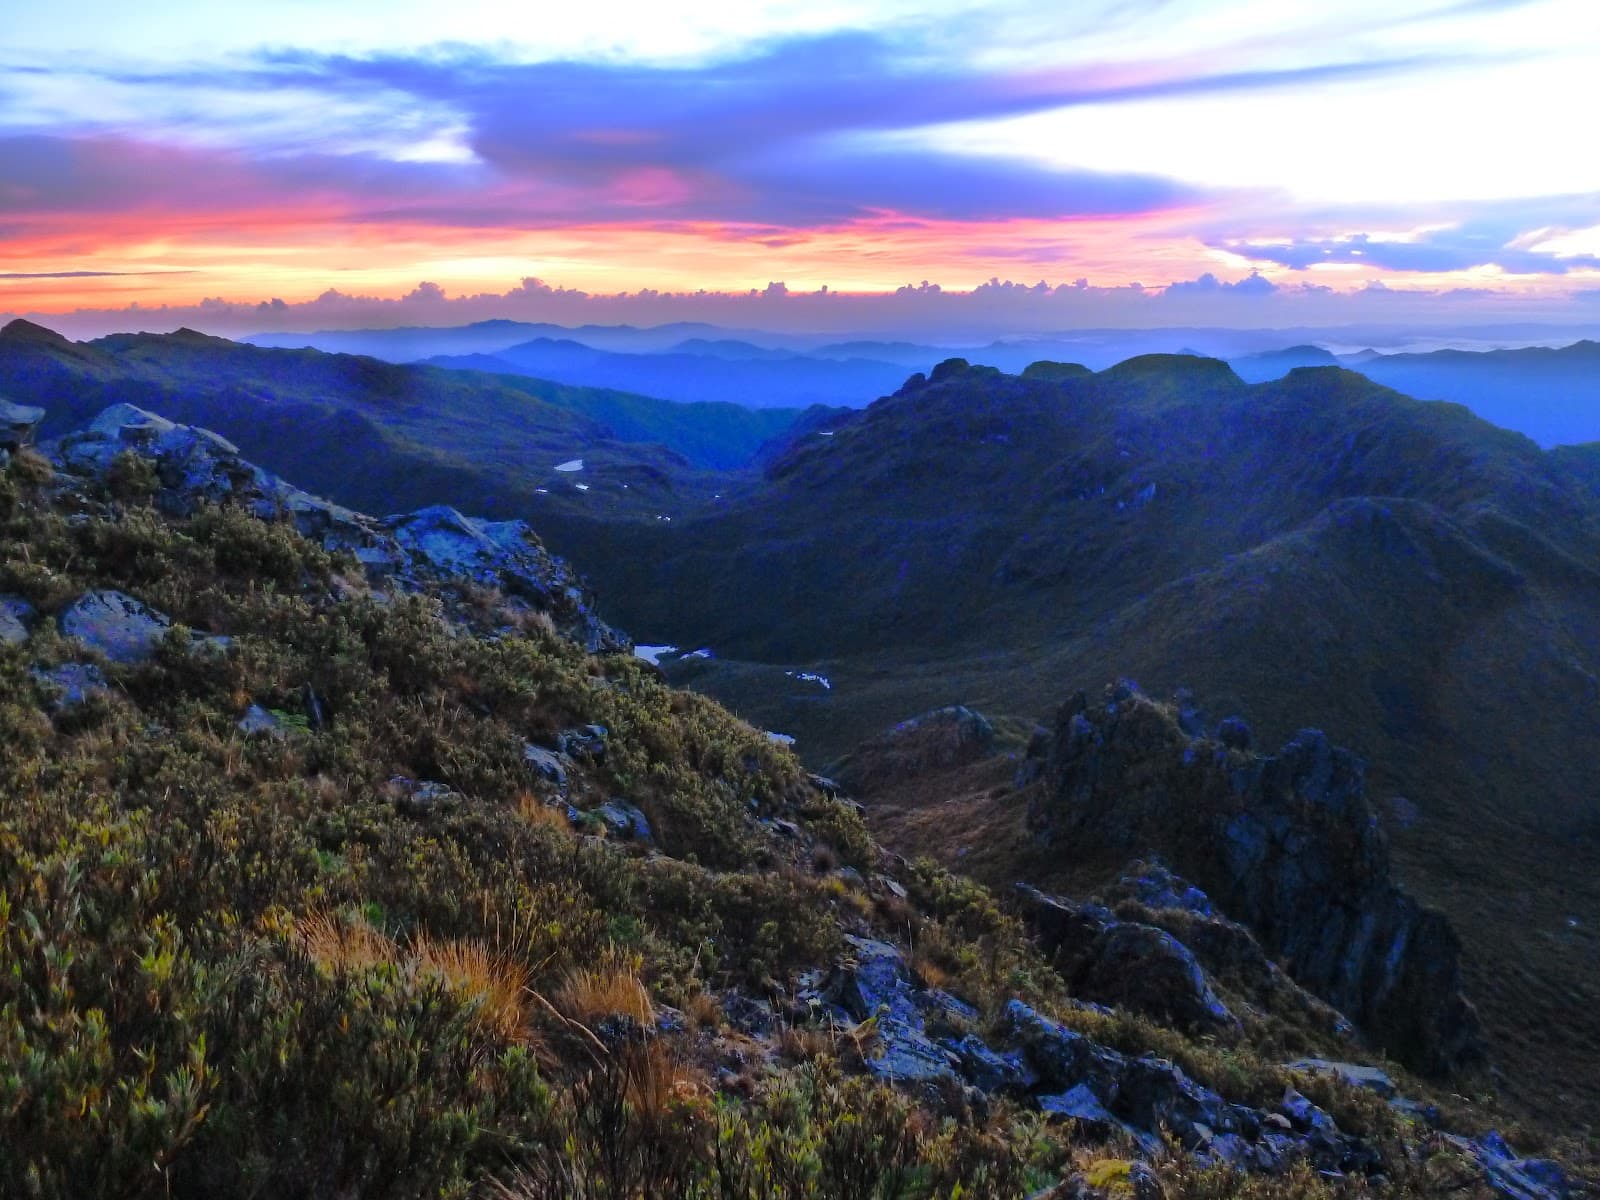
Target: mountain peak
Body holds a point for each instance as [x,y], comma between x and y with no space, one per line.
[25,332]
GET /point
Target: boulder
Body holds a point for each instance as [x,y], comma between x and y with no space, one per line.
[875,984]
[1517,1178]
[625,821]
[259,720]
[547,765]
[118,626]
[441,543]
[1287,844]
[1125,963]
[17,423]
[71,685]
[16,619]
[1355,1074]
[420,798]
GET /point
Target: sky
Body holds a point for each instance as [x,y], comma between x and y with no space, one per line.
[276,164]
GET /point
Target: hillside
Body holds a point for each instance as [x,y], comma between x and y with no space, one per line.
[334,865]
[383,437]
[1316,551]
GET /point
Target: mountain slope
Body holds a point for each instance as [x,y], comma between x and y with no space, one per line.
[384,437]
[1314,551]
[334,874]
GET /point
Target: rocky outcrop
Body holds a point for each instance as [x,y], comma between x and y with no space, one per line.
[435,548]
[16,620]
[17,423]
[1125,963]
[946,737]
[1285,843]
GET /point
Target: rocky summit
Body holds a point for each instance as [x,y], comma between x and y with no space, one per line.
[1287,843]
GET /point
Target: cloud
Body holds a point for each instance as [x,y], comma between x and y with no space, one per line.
[84,274]
[996,308]
[1254,284]
[1462,247]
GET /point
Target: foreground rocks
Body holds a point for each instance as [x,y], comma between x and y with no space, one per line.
[434,548]
[1286,843]
[931,1040]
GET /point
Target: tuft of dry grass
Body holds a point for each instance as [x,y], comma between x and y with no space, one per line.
[657,1078]
[494,979]
[610,988]
[343,944]
[703,1011]
[535,812]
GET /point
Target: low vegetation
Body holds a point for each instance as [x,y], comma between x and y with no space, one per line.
[235,964]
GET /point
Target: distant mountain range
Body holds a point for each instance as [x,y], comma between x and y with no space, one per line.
[1552,395]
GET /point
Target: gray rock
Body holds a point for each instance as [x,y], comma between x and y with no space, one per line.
[507,555]
[1080,1104]
[258,720]
[995,1072]
[625,821]
[587,742]
[1287,844]
[16,619]
[875,984]
[17,422]
[420,798]
[117,625]
[439,546]
[547,765]
[1354,1074]
[1124,963]
[1516,1178]
[71,684]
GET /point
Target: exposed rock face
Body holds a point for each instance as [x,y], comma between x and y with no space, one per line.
[440,546]
[1286,843]
[17,422]
[123,629]
[16,618]
[69,685]
[116,625]
[1125,963]
[946,737]
[1227,950]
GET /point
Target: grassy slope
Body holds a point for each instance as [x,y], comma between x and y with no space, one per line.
[235,966]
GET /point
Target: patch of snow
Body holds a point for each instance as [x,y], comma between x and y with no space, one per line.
[652,654]
[811,677]
[542,491]
[825,433]
[572,464]
[582,487]
[703,652]
[783,739]
[659,517]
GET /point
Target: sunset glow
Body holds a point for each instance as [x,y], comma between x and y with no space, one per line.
[261,152]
